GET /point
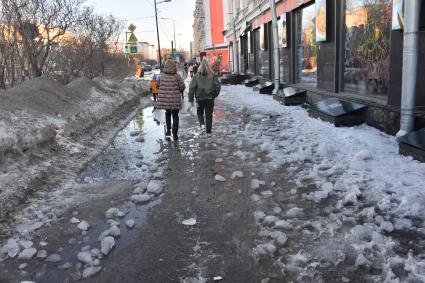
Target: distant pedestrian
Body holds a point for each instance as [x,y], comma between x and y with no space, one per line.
[191,70]
[153,87]
[171,86]
[195,68]
[205,87]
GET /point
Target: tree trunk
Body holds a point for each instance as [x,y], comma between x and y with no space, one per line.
[2,72]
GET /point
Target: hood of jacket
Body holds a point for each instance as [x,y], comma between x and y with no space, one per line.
[170,68]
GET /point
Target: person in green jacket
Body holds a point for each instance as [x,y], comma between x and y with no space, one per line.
[205,86]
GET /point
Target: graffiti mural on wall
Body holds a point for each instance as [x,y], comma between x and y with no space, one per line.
[367,47]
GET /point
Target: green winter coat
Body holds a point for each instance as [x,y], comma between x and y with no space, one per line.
[203,88]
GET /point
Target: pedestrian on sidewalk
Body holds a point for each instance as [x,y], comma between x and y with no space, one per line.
[153,87]
[171,86]
[205,87]
[195,68]
[191,70]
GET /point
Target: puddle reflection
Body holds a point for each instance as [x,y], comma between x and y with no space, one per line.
[125,158]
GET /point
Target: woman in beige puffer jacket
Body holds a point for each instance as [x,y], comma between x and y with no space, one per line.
[171,86]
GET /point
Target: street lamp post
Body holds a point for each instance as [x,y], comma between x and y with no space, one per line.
[174,28]
[157,30]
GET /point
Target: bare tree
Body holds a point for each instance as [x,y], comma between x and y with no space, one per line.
[59,38]
[98,38]
[42,24]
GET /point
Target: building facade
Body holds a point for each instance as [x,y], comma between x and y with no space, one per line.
[351,49]
[147,51]
[209,39]
[198,29]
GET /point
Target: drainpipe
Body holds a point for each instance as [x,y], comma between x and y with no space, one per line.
[235,48]
[275,47]
[410,66]
[235,44]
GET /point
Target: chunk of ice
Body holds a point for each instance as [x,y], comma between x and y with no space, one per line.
[85,257]
[83,226]
[27,254]
[265,249]
[41,254]
[256,184]
[270,220]
[189,222]
[283,224]
[141,198]
[361,260]
[294,212]
[155,187]
[114,231]
[11,248]
[91,271]
[25,244]
[74,220]
[114,212]
[107,244]
[237,174]
[54,258]
[130,223]
[220,178]
[259,216]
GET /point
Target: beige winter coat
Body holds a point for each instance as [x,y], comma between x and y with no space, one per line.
[171,86]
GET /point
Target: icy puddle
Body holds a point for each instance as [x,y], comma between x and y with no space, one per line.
[132,152]
[122,185]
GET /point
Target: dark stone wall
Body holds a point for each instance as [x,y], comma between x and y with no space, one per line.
[396,67]
[285,63]
[264,64]
[251,66]
[326,54]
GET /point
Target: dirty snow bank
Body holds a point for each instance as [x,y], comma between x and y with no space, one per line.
[368,199]
[42,113]
[32,113]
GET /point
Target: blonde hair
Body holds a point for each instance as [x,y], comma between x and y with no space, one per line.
[205,68]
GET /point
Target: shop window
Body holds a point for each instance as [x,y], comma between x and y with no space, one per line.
[306,46]
[282,30]
[367,46]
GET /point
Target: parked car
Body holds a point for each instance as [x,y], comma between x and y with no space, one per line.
[147,68]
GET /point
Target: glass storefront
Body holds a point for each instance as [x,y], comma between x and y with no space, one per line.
[306,47]
[367,46]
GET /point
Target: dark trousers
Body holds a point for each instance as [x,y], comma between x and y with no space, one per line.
[175,114]
[206,108]
[155,95]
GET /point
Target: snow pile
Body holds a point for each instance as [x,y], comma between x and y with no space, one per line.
[354,176]
[40,113]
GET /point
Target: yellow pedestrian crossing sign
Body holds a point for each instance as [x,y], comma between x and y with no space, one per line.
[132,38]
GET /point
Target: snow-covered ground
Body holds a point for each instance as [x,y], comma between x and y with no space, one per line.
[367,200]
[44,125]
[331,204]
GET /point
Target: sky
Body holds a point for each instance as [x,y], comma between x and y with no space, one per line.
[142,14]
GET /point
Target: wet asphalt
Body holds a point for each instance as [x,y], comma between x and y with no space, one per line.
[159,248]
